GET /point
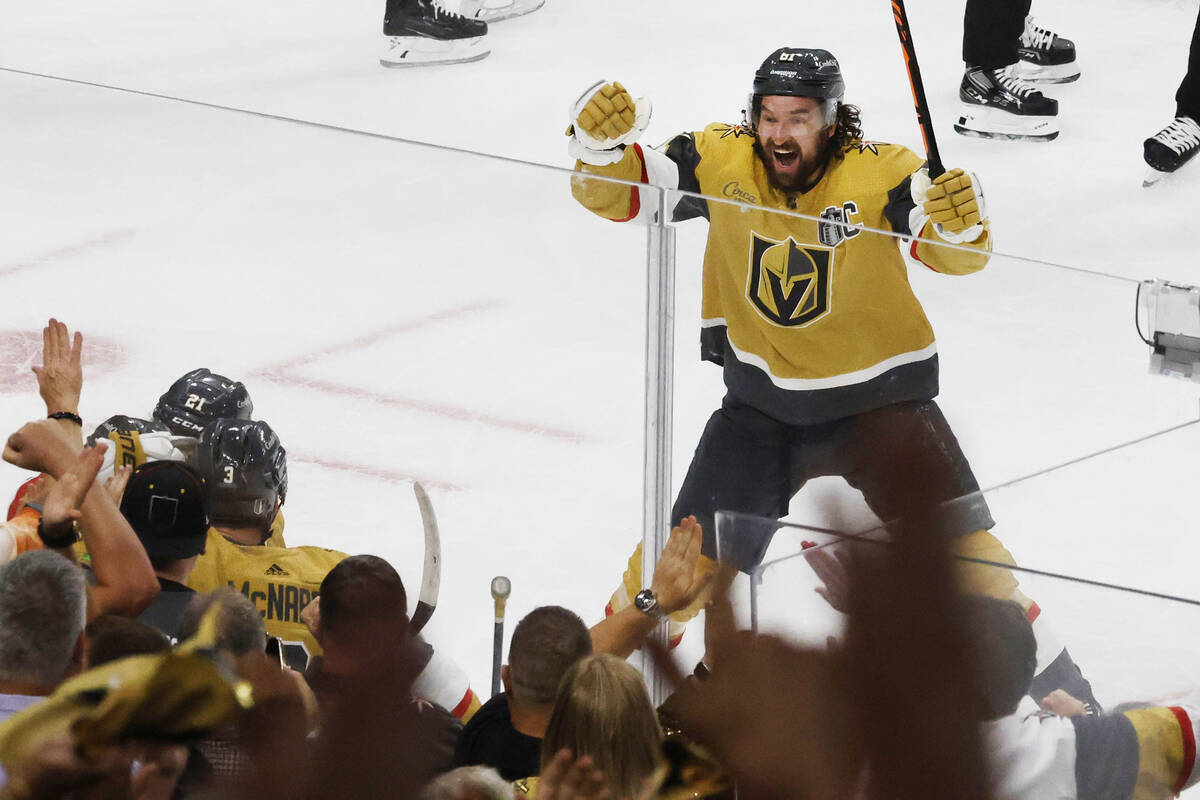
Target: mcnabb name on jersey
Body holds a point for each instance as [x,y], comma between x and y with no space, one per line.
[281,601]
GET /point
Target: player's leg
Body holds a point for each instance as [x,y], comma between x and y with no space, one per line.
[1187,99]
[743,462]
[875,442]
[996,103]
[423,32]
[1176,144]
[991,32]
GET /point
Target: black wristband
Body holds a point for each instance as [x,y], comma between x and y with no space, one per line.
[56,542]
[78,420]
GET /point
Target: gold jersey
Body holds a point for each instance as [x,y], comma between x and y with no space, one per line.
[812,318]
[280,581]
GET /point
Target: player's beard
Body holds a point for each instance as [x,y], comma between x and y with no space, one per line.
[795,174]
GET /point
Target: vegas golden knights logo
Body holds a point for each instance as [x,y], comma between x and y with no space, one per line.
[789,282]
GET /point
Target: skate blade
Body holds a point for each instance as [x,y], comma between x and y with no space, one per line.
[1152,177]
[407,54]
[516,9]
[1008,137]
[434,63]
[985,122]
[1061,73]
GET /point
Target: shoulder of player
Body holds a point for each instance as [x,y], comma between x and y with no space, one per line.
[868,150]
[721,134]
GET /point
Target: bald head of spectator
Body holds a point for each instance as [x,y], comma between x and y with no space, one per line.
[43,610]
[602,710]
[545,644]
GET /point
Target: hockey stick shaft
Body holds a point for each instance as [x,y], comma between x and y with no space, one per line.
[924,119]
[497,649]
[501,587]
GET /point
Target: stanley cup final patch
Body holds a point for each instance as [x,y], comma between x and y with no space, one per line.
[789,282]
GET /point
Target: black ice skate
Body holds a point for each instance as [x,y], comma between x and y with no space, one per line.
[1171,148]
[1045,57]
[426,33]
[998,105]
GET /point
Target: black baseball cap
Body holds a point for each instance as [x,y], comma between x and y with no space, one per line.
[166,503]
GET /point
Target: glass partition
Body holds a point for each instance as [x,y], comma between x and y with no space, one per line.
[398,313]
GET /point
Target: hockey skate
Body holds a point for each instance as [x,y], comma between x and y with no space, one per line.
[431,35]
[1171,148]
[1045,57]
[496,10]
[998,105]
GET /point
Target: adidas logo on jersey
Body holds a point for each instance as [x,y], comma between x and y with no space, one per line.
[275,569]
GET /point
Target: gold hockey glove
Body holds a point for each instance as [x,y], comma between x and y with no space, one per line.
[604,119]
[953,202]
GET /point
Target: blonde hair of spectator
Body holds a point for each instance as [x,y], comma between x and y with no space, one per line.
[468,783]
[602,710]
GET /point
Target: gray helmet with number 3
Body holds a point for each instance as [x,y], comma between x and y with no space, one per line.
[246,469]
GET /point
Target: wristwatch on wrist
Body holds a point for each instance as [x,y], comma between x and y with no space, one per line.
[646,602]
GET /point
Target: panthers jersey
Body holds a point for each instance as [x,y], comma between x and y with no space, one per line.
[811,317]
[280,581]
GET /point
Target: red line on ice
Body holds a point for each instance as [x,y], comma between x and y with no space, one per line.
[383,473]
[368,339]
[67,251]
[283,373]
[439,409]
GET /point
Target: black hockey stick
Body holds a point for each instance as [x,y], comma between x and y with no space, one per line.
[918,89]
[431,575]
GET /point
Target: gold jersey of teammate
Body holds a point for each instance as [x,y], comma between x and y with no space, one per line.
[812,319]
[280,581]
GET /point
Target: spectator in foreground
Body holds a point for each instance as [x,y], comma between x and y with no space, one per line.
[43,602]
[110,637]
[468,783]
[602,712]
[364,630]
[506,733]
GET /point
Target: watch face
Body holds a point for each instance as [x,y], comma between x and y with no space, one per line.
[645,601]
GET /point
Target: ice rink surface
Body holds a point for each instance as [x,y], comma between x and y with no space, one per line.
[404,312]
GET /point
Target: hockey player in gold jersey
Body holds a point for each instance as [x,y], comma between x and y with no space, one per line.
[246,469]
[829,361]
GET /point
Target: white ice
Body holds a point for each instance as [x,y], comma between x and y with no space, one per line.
[402,312]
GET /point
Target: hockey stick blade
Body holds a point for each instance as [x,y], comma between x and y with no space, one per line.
[431,573]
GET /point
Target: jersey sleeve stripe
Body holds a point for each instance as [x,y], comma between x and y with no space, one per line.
[635,195]
[1189,748]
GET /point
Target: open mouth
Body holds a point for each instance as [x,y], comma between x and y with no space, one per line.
[785,158]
